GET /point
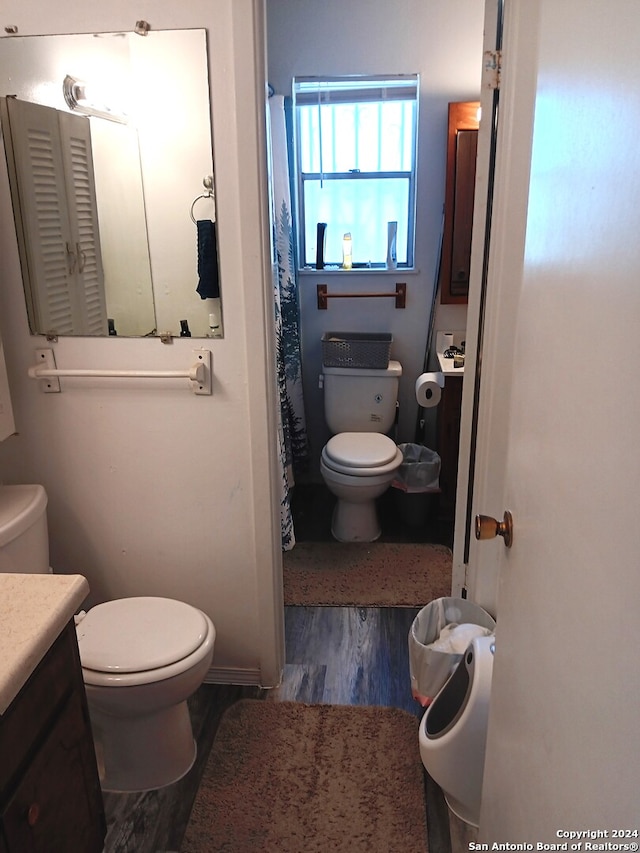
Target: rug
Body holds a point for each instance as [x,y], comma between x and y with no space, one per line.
[295,778]
[376,574]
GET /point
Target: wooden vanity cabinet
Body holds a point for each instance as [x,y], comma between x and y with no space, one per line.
[462,146]
[449,414]
[50,797]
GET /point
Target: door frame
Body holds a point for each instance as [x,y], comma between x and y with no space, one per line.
[477,302]
[489,328]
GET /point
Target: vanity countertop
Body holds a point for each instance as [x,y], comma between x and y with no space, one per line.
[33,611]
[446,366]
[443,341]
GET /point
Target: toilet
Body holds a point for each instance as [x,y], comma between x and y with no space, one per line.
[359,461]
[141,660]
[141,657]
[24,537]
[453,731]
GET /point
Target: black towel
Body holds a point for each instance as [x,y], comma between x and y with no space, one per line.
[208,283]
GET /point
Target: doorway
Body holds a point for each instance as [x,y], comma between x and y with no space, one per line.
[444,46]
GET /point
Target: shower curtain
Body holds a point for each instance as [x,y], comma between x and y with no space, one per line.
[292,429]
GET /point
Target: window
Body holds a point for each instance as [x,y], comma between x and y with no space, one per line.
[356,143]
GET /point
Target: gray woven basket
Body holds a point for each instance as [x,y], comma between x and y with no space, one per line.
[356,349]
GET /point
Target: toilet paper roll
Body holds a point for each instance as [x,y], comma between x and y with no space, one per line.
[446,341]
[429,389]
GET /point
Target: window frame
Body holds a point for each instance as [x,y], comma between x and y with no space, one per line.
[370,92]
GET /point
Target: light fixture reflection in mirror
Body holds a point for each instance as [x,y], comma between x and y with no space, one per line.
[149,161]
[89,99]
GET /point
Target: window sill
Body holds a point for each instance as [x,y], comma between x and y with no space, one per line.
[332,271]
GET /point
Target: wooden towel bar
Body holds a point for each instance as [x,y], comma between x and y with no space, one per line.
[400,295]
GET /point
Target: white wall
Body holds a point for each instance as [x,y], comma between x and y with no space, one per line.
[442,41]
[153,490]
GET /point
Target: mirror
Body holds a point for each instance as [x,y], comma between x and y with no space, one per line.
[109,150]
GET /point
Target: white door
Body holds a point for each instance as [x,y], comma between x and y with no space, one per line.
[559,430]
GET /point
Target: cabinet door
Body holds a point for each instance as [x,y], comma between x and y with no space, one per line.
[77,157]
[449,412]
[56,807]
[44,231]
[462,144]
[465,179]
[58,223]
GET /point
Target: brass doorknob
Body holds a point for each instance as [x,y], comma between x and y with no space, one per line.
[488,528]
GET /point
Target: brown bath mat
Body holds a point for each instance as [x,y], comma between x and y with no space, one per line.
[377,574]
[295,778]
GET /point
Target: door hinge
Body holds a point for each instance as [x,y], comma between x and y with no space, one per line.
[491,68]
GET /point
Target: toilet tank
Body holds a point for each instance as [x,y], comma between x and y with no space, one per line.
[361,399]
[24,540]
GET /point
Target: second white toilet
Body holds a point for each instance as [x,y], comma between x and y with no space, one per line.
[359,462]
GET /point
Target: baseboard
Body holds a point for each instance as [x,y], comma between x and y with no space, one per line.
[224,675]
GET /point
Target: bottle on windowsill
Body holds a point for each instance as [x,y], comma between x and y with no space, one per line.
[347,252]
[392,231]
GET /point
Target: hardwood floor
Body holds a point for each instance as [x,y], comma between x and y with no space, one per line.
[340,655]
[347,656]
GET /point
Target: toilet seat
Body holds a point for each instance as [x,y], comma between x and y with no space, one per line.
[361,454]
[141,639]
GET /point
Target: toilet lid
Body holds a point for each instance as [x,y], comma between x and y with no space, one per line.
[361,449]
[137,634]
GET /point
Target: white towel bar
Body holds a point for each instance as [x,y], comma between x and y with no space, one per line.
[199,374]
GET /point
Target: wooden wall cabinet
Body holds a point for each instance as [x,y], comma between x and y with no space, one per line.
[462,146]
[50,797]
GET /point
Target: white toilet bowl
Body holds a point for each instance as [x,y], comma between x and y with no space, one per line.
[358,467]
[453,731]
[141,660]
